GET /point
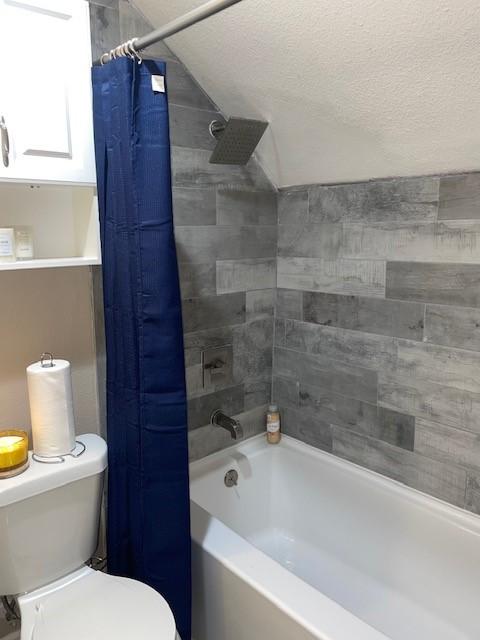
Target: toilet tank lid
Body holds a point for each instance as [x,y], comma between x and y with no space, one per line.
[41,477]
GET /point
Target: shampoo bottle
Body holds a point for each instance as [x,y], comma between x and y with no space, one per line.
[273,425]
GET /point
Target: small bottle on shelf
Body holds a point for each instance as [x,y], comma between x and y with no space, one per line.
[24,243]
[273,425]
[7,245]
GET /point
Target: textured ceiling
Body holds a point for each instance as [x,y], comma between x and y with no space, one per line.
[352,89]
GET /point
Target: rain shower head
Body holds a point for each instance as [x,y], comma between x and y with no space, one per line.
[236,140]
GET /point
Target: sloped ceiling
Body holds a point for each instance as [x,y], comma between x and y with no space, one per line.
[353,89]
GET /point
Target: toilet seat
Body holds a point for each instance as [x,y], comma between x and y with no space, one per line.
[91,605]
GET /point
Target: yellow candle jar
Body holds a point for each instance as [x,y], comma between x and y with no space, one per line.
[13,452]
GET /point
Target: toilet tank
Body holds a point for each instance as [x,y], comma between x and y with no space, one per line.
[49,518]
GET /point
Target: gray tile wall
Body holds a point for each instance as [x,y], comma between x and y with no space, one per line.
[377,312]
[377,328]
[226,232]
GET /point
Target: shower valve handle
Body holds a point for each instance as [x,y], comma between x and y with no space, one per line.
[216,367]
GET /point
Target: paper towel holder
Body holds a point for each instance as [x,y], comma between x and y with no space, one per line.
[46,355]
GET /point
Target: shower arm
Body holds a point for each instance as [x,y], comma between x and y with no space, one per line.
[175,26]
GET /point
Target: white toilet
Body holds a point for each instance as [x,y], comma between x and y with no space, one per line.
[49,518]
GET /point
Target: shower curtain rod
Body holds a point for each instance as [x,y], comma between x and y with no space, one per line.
[175,26]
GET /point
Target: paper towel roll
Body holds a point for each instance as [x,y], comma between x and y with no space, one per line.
[51,408]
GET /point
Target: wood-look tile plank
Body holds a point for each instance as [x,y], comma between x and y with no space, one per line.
[213,311]
[252,350]
[349,277]
[211,243]
[447,444]
[197,280]
[435,478]
[450,284]
[245,275]
[194,206]
[352,348]
[460,197]
[292,207]
[446,241]
[453,326]
[431,401]
[260,304]
[390,200]
[309,241]
[307,428]
[457,368]
[246,207]
[370,315]
[348,380]
[289,304]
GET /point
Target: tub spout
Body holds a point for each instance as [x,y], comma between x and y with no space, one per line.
[234,427]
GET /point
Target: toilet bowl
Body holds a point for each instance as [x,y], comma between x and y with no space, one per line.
[49,518]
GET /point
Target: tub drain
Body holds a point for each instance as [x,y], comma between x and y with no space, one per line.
[231,478]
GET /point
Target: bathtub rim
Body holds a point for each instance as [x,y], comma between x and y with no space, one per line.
[257,445]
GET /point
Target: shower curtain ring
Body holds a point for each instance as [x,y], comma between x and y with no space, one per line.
[128,50]
[134,51]
[102,61]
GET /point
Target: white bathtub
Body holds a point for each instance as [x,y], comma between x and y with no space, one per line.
[310,546]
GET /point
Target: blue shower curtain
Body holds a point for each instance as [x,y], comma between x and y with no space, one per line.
[148,535]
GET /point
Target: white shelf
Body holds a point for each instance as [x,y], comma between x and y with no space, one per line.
[48,263]
[63,219]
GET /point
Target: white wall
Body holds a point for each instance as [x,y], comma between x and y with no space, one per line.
[47,310]
[353,90]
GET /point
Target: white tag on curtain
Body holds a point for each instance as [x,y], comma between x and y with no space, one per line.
[158,84]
